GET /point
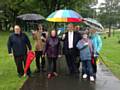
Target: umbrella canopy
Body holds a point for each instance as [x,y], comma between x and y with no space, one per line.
[93,24]
[31,17]
[30,58]
[64,16]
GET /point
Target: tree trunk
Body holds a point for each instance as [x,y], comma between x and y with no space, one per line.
[0,26]
[113,32]
[109,34]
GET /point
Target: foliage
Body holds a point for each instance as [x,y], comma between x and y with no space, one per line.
[110,14]
[10,9]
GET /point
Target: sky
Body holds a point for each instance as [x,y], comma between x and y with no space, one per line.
[99,2]
[98,5]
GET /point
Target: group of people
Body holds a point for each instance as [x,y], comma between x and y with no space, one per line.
[85,46]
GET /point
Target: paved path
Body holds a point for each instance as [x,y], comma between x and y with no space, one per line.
[105,81]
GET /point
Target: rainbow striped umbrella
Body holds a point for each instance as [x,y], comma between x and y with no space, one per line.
[64,16]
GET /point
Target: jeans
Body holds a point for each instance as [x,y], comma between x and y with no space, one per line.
[52,64]
[70,58]
[87,67]
[20,62]
[38,55]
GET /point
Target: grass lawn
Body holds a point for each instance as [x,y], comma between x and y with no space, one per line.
[8,76]
[111,54]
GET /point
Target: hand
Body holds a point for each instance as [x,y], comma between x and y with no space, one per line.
[86,44]
[43,55]
[29,50]
[96,54]
[59,56]
[63,37]
[33,32]
[10,54]
[42,37]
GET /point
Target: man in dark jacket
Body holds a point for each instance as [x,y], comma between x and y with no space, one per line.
[78,30]
[18,45]
[70,40]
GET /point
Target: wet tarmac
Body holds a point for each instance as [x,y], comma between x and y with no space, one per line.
[105,81]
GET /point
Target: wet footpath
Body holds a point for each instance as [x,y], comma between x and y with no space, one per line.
[105,80]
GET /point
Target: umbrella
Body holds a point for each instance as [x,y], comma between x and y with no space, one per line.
[30,58]
[93,24]
[64,16]
[31,17]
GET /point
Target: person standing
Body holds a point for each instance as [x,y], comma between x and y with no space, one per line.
[52,50]
[44,36]
[70,40]
[18,46]
[38,48]
[40,37]
[86,49]
[78,29]
[97,44]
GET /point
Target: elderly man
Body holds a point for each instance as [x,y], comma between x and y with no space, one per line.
[18,45]
[70,40]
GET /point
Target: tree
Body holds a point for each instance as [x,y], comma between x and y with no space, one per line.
[109,14]
[13,8]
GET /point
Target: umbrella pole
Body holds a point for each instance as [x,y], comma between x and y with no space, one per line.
[64,27]
[55,26]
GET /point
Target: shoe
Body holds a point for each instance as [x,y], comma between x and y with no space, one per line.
[55,74]
[49,76]
[29,75]
[20,75]
[84,76]
[92,78]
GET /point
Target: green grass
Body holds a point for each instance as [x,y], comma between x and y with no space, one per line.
[111,54]
[8,75]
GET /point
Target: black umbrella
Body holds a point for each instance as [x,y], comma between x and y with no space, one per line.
[31,17]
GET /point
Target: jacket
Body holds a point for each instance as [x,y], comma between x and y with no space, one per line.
[18,44]
[85,50]
[97,43]
[76,38]
[52,47]
[38,41]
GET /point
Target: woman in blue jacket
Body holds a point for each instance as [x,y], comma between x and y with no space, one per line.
[97,45]
[86,49]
